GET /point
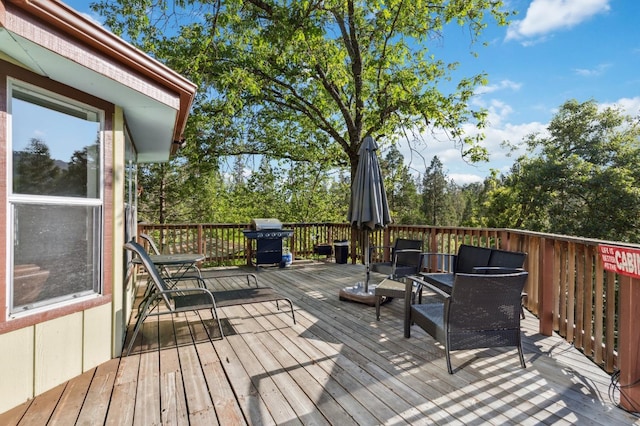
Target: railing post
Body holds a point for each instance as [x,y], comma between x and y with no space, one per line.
[354,243]
[629,343]
[386,242]
[200,240]
[248,249]
[545,290]
[433,241]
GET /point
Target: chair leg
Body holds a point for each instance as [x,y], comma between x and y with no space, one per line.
[290,306]
[448,357]
[521,354]
[407,323]
[214,314]
[141,318]
[293,315]
[378,307]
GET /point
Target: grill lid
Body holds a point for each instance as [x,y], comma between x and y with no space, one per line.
[267,223]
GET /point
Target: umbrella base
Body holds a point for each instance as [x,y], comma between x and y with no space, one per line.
[357,294]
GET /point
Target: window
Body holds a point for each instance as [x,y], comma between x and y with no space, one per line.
[55,201]
[131,191]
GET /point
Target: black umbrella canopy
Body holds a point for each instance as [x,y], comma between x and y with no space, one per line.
[369,208]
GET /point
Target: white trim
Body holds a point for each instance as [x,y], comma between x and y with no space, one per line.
[91,114]
[51,306]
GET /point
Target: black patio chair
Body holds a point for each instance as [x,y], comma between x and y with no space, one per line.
[194,294]
[163,300]
[482,311]
[406,259]
[169,271]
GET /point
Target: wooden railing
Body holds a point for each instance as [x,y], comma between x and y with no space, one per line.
[568,289]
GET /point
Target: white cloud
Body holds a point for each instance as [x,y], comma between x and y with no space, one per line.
[630,106]
[593,72]
[92,17]
[462,172]
[465,178]
[501,85]
[498,112]
[546,16]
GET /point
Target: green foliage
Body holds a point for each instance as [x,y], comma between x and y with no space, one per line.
[307,80]
[35,172]
[301,82]
[442,204]
[580,179]
[401,188]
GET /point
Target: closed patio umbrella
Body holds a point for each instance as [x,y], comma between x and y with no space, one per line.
[369,209]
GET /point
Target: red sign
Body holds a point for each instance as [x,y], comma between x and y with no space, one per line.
[621,260]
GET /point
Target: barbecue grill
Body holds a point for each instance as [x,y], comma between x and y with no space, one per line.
[268,234]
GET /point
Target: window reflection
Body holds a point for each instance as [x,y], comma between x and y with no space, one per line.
[63,160]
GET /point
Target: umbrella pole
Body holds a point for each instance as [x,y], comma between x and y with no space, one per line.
[367,261]
[360,293]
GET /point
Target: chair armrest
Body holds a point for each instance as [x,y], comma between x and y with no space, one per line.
[181,291]
[396,252]
[410,280]
[174,280]
[436,253]
[249,277]
[407,251]
[495,270]
[422,283]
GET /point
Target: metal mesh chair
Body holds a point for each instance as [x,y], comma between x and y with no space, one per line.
[163,300]
[169,272]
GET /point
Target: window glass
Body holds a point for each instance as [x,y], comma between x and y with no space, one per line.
[131,192]
[54,253]
[56,199]
[55,151]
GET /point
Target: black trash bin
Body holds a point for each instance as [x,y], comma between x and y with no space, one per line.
[341,249]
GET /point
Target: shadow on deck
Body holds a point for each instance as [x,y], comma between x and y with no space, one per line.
[337,365]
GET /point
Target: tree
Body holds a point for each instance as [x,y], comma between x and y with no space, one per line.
[579,179]
[73,181]
[400,187]
[436,198]
[35,171]
[307,80]
[474,195]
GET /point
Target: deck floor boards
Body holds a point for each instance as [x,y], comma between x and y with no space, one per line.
[336,365]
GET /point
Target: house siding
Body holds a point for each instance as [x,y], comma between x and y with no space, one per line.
[123,295]
[16,367]
[47,348]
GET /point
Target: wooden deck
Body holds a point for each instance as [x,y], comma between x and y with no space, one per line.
[337,365]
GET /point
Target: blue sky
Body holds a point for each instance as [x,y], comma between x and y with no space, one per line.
[553,51]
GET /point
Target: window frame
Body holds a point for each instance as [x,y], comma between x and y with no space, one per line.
[99,115]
